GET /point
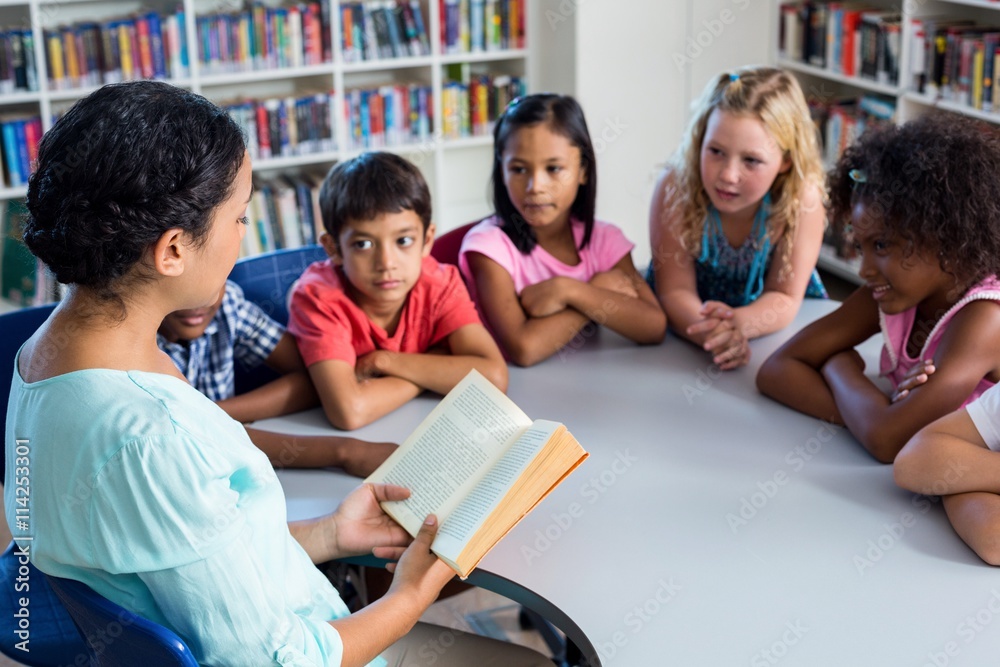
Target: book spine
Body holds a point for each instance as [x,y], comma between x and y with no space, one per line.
[182,44]
[12,154]
[392,29]
[418,19]
[32,137]
[989,48]
[23,159]
[996,72]
[978,65]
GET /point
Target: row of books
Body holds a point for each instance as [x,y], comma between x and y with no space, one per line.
[389,115]
[957,61]
[263,37]
[283,213]
[843,38]
[144,46]
[19,137]
[471,105]
[18,71]
[481,25]
[286,126]
[840,124]
[380,29]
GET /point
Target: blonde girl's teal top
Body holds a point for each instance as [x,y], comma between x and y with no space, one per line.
[735,276]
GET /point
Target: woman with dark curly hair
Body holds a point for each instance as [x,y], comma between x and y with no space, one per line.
[138,205]
[921,202]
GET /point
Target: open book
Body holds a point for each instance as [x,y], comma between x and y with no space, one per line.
[480,464]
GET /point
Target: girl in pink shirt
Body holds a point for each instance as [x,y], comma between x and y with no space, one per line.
[542,269]
[922,207]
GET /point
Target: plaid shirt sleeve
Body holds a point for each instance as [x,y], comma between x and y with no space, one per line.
[255,334]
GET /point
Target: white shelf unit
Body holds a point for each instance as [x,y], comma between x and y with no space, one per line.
[909,103]
[457,170]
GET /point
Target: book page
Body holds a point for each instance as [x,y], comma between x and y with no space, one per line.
[469,515]
[450,450]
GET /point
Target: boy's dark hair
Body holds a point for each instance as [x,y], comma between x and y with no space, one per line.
[125,164]
[932,182]
[564,116]
[371,185]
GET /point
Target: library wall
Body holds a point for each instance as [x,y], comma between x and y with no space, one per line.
[636,67]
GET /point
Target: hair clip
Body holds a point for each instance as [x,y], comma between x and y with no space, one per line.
[514,102]
[857,176]
[734,77]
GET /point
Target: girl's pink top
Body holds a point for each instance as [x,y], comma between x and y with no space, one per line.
[896,329]
[606,248]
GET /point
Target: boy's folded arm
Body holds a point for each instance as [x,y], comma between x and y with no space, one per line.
[285,357]
[639,318]
[287,394]
[471,346]
[356,457]
[527,340]
[348,403]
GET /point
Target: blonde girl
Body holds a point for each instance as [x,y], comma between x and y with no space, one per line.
[737,217]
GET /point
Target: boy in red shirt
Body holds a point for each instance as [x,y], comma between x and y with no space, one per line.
[381,320]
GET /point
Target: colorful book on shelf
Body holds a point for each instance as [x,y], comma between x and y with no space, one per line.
[262,37]
[481,25]
[480,464]
[19,137]
[383,116]
[18,69]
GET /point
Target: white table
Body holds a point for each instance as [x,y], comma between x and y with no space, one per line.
[712,526]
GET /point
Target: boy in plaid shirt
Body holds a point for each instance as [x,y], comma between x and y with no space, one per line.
[206,343]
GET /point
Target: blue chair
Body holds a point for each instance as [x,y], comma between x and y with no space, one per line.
[17,327]
[52,638]
[266,280]
[115,636]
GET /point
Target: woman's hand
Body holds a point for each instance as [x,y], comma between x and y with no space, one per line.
[418,572]
[360,525]
[917,376]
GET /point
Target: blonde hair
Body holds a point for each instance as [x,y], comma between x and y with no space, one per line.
[774,97]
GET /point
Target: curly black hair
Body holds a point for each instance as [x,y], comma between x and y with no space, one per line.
[125,164]
[933,183]
[371,185]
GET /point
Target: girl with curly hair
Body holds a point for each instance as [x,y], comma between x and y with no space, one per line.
[920,201]
[737,217]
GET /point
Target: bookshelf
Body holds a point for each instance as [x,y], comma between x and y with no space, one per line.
[348,59]
[912,92]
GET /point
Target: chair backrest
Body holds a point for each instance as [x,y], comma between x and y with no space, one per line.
[41,633]
[266,278]
[115,636]
[446,246]
[17,327]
